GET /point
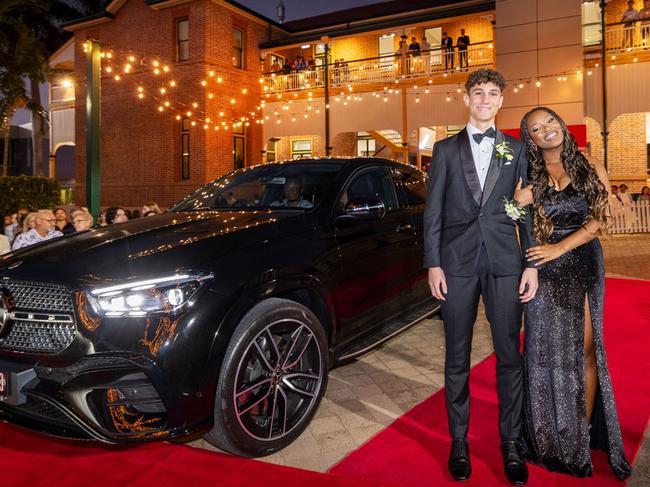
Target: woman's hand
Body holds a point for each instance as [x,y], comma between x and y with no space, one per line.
[523,196]
[544,253]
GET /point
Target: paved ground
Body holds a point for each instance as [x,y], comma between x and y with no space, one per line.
[367,395]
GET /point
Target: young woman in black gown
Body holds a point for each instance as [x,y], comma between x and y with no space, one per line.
[569,402]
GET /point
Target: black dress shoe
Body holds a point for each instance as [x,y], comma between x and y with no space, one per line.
[460,467]
[513,464]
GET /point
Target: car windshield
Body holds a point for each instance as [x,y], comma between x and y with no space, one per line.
[274,186]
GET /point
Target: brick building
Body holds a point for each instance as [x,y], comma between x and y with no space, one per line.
[219,57]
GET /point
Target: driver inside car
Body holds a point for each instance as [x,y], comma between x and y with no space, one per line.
[293,195]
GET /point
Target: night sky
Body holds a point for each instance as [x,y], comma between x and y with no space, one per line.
[299,9]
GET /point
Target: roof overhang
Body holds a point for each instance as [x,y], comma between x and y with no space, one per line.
[386,22]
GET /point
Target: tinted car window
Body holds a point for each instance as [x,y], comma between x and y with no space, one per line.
[370,184]
[274,186]
[413,185]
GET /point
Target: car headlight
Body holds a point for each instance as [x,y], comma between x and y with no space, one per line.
[166,294]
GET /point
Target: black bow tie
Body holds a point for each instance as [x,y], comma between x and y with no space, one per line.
[491,133]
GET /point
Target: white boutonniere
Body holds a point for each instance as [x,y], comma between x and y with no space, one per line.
[513,210]
[503,151]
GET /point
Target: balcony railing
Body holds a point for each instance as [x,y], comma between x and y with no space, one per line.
[383,69]
[622,36]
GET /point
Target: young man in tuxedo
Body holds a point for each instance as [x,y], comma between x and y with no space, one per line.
[472,250]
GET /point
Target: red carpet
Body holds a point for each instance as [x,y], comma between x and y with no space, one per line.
[413,451]
[31,460]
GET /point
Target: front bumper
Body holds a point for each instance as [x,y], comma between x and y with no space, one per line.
[113,398]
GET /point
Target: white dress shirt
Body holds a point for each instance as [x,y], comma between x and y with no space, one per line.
[482,152]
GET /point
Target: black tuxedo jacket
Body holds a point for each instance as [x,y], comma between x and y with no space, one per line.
[463,42]
[459,218]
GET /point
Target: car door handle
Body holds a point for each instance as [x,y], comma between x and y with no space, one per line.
[403,228]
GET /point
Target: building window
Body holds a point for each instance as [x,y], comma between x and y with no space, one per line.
[238,146]
[185,148]
[591,34]
[434,38]
[365,144]
[386,50]
[300,148]
[183,40]
[237,48]
[319,55]
[271,150]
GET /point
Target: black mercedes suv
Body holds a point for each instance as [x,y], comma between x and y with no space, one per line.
[221,316]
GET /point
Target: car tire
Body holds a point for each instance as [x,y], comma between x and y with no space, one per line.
[272,379]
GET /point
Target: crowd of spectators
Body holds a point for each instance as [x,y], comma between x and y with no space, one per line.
[27,227]
[623,204]
[296,66]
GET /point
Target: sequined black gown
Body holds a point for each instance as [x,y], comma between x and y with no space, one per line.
[556,429]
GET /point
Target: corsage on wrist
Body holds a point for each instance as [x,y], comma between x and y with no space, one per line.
[513,210]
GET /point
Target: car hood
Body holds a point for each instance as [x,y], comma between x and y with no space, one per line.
[151,245]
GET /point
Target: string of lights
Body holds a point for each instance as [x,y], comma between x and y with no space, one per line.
[125,65]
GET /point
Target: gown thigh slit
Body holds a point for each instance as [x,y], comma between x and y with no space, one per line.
[591,385]
[557,433]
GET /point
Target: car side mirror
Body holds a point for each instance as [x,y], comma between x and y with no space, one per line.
[365,209]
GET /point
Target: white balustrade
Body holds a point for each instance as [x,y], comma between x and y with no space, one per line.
[631,219]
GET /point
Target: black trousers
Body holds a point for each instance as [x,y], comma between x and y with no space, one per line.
[503,310]
[462,58]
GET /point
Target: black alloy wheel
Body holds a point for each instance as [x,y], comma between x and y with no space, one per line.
[272,380]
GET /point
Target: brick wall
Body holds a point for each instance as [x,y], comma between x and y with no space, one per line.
[140,146]
[627,159]
[344,145]
[627,152]
[594,138]
[283,147]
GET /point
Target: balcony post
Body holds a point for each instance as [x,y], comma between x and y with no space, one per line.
[93,124]
[326,41]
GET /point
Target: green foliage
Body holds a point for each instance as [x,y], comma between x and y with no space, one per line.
[28,192]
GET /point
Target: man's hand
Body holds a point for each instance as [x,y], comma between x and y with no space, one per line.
[438,283]
[544,253]
[528,285]
[524,196]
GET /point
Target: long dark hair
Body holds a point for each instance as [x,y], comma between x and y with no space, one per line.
[583,178]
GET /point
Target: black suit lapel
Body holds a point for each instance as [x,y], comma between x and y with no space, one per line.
[493,171]
[469,168]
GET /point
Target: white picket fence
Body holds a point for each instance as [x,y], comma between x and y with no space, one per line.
[634,219]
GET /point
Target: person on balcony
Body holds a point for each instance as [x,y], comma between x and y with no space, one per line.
[402,55]
[425,47]
[337,71]
[644,17]
[414,55]
[345,70]
[462,44]
[300,64]
[629,16]
[447,44]
[276,67]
